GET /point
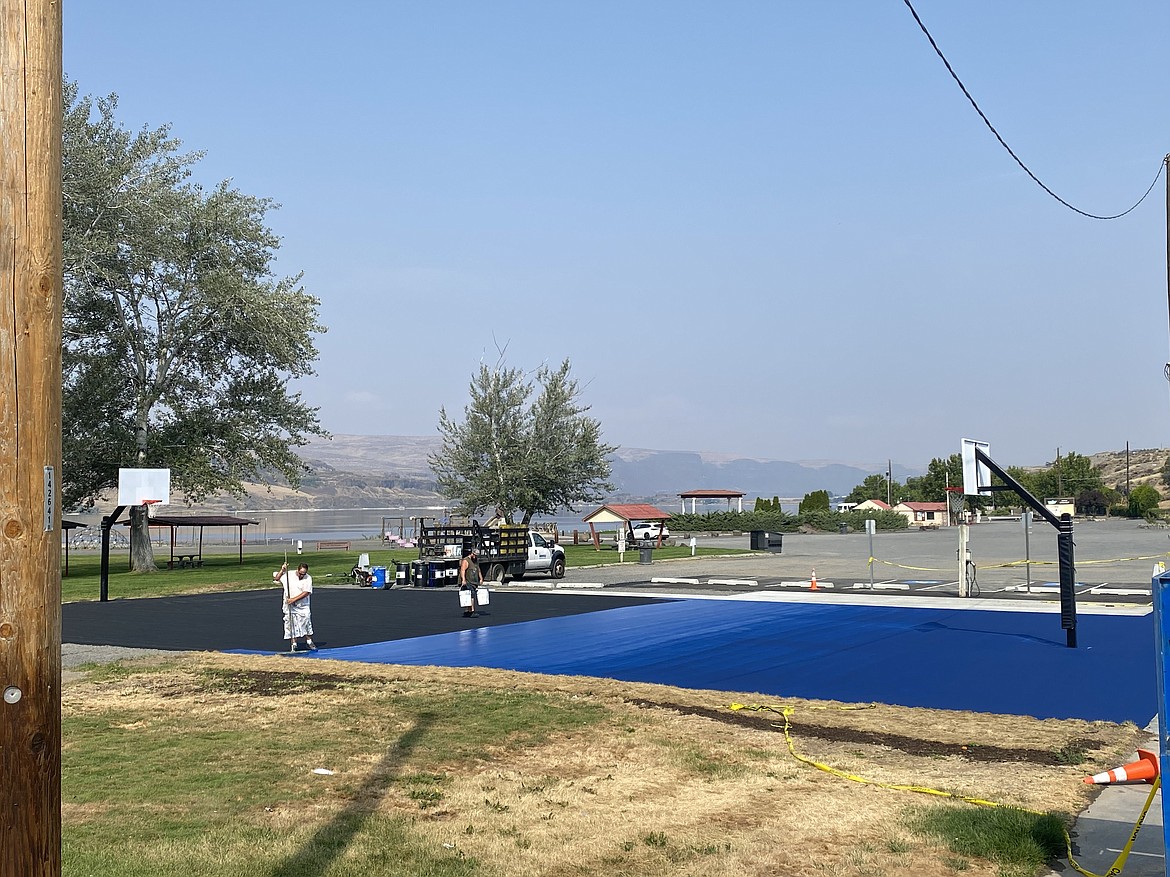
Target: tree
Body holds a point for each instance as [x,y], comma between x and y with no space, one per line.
[874,487]
[179,340]
[940,474]
[519,457]
[1092,502]
[1142,499]
[817,500]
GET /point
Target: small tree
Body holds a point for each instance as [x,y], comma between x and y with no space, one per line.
[817,500]
[514,456]
[1092,502]
[1143,499]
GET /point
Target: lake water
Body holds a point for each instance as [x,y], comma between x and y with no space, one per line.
[285,526]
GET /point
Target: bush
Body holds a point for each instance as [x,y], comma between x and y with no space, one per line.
[712,522]
[883,520]
[1142,499]
[782,522]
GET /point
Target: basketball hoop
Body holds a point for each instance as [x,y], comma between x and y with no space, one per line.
[150,504]
[955,499]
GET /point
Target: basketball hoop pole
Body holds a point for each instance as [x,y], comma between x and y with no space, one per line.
[964,539]
[1064,546]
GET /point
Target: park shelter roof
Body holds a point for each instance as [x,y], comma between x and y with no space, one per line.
[613,513]
[712,494]
[200,521]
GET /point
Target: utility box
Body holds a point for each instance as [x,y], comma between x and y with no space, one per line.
[764,541]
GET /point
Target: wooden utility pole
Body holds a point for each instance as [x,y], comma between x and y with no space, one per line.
[30,437]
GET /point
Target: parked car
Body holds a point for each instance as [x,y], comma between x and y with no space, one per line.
[650,530]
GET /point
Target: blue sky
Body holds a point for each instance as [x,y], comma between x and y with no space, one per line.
[764,229]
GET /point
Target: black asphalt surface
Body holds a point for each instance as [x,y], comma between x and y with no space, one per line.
[341,617]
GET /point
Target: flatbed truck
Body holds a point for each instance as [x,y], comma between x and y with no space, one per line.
[504,552]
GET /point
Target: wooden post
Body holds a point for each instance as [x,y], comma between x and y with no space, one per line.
[30,437]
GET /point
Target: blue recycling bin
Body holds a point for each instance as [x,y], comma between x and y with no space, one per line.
[379,577]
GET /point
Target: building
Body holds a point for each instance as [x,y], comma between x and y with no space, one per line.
[925,515]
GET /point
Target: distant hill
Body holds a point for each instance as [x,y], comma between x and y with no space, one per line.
[1142,467]
[638,473]
[350,471]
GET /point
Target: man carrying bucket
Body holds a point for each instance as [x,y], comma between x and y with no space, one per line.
[469,581]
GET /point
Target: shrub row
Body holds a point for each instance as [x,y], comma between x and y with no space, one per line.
[782,522]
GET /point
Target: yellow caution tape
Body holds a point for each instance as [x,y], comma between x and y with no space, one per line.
[1014,563]
[786,711]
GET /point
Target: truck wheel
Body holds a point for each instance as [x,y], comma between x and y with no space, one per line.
[496,573]
[558,568]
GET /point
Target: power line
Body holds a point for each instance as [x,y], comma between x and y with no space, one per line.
[1003,142]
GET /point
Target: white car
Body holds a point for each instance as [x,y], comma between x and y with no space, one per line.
[644,530]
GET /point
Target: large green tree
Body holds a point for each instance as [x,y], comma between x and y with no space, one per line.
[875,487]
[519,454]
[940,473]
[179,338]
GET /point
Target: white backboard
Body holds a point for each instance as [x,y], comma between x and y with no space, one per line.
[136,486]
[975,474]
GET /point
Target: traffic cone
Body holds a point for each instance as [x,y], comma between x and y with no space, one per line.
[812,585]
[1145,769]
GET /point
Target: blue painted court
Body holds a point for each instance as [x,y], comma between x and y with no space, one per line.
[988,661]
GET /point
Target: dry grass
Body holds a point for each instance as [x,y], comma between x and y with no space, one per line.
[644,779]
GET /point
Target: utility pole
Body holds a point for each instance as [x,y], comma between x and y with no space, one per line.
[1127,470]
[30,437]
[889,481]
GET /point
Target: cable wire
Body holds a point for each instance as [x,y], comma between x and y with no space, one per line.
[1003,142]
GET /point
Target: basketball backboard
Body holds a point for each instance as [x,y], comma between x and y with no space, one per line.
[976,474]
[136,486]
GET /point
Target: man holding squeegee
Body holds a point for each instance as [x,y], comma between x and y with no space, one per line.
[298,618]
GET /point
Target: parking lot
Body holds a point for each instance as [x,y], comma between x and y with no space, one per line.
[1114,563]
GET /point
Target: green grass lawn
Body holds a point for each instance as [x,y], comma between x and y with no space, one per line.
[225,572]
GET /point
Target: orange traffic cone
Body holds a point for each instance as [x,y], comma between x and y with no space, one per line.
[1145,769]
[812,585]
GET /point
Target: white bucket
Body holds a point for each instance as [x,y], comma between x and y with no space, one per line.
[465,599]
[481,597]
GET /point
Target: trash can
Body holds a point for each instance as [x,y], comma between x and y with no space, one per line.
[379,579]
[646,552]
[758,540]
[400,569]
[418,573]
[842,528]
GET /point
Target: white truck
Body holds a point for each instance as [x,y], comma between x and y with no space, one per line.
[543,556]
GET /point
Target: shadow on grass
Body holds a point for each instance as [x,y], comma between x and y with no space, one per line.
[329,842]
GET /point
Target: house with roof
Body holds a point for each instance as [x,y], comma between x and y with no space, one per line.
[872,505]
[924,515]
[624,515]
